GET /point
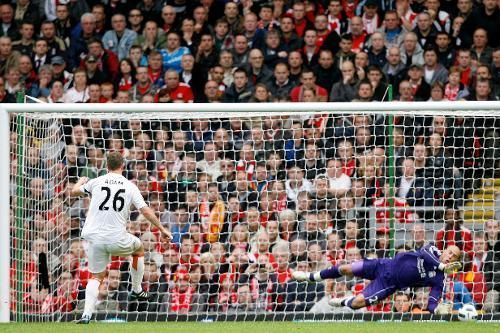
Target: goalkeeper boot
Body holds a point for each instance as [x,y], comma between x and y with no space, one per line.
[339,302]
[84,320]
[301,276]
[141,296]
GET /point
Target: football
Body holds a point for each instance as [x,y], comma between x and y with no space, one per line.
[467,313]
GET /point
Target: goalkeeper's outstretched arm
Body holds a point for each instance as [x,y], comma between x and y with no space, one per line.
[434,297]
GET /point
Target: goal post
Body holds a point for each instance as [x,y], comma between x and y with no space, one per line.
[12,260]
[5,240]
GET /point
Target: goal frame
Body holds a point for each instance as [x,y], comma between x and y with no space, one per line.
[198,110]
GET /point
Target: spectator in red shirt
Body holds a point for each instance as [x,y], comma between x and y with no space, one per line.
[183,297]
[359,36]
[174,90]
[65,296]
[95,94]
[300,19]
[107,61]
[126,77]
[308,80]
[464,63]
[143,86]
[454,233]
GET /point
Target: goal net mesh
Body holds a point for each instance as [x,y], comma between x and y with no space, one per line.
[250,199]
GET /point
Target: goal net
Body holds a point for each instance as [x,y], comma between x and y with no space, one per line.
[250,197]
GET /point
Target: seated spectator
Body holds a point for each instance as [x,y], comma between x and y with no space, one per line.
[296,183]
[308,80]
[151,38]
[25,44]
[464,64]
[213,213]
[411,51]
[382,243]
[206,55]
[352,236]
[263,283]
[378,83]
[410,187]
[421,90]
[437,92]
[482,91]
[209,281]
[12,25]
[418,238]
[438,169]
[426,32]
[244,301]
[260,94]
[420,301]
[345,90]
[174,90]
[107,60]
[143,86]
[120,38]
[392,29]
[402,303]
[173,52]
[454,232]
[433,70]
[472,278]
[94,74]
[64,297]
[150,242]
[455,90]
[182,298]
[316,256]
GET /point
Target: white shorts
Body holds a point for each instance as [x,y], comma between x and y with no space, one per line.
[100,254]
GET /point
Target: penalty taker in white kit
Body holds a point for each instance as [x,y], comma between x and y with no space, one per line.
[423,268]
[105,229]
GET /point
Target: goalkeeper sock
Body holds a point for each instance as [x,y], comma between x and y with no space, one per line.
[91,292]
[347,302]
[137,273]
[329,273]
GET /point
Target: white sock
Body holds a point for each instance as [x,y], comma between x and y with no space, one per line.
[137,274]
[91,292]
[317,276]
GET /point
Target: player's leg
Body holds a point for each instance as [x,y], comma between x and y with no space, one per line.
[357,268]
[130,245]
[373,293]
[137,274]
[98,260]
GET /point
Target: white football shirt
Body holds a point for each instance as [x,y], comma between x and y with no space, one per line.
[111,198]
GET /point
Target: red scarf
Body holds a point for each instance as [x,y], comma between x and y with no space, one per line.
[125,85]
[349,167]
[451,93]
[181,302]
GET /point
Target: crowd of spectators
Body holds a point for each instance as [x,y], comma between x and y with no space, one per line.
[250,200]
[239,51]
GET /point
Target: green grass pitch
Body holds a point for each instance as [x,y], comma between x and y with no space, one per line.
[257,327]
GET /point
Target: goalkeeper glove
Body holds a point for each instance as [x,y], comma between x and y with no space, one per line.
[450,268]
[443,308]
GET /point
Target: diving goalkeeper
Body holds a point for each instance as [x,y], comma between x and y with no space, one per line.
[423,268]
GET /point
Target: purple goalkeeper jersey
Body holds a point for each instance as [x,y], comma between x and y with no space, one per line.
[417,269]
